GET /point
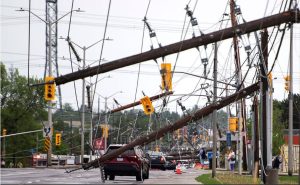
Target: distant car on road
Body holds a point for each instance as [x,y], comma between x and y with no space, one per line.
[158,160]
[170,165]
[132,162]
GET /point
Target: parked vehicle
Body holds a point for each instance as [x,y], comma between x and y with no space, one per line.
[158,160]
[132,162]
[170,164]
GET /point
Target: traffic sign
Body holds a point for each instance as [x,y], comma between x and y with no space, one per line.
[99,144]
[47,131]
[47,144]
[228,139]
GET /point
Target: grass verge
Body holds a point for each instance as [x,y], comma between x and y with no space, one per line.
[207,179]
[230,178]
[288,179]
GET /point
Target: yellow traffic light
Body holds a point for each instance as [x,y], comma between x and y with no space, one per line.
[157,148]
[147,105]
[166,76]
[233,124]
[4,132]
[58,139]
[49,89]
[270,77]
[105,131]
[287,82]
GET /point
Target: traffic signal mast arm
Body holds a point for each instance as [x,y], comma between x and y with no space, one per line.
[178,124]
[273,20]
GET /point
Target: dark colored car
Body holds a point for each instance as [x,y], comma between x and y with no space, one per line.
[132,162]
[170,165]
[158,160]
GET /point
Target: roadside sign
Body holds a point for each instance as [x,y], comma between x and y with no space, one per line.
[228,139]
[99,144]
[47,144]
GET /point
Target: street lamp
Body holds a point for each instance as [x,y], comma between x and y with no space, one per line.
[106,121]
[84,48]
[49,23]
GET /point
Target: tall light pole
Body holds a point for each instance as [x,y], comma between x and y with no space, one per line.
[106,120]
[84,48]
[91,125]
[49,22]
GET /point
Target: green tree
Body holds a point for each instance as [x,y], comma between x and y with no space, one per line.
[278,127]
[284,105]
[22,109]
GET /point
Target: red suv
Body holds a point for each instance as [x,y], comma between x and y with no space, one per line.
[132,162]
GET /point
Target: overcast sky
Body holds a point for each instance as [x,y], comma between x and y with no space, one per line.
[125,27]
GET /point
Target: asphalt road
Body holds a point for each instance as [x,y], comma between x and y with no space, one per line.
[58,176]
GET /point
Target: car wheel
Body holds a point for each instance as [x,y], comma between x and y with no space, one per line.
[139,176]
[146,174]
[112,177]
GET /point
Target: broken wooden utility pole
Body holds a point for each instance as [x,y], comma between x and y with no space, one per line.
[143,140]
[138,102]
[273,20]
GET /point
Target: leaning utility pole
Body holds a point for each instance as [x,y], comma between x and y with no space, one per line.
[239,84]
[255,139]
[139,102]
[143,140]
[51,57]
[214,119]
[273,20]
[290,140]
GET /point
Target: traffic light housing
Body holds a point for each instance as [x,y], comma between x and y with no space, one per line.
[166,76]
[4,132]
[233,124]
[105,131]
[49,88]
[58,139]
[147,105]
[287,82]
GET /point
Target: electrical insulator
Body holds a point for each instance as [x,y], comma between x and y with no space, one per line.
[147,105]
[49,89]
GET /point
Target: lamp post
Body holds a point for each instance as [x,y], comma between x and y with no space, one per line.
[84,48]
[49,23]
[106,120]
[91,125]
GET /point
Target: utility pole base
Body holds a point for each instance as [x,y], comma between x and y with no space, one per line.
[271,176]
